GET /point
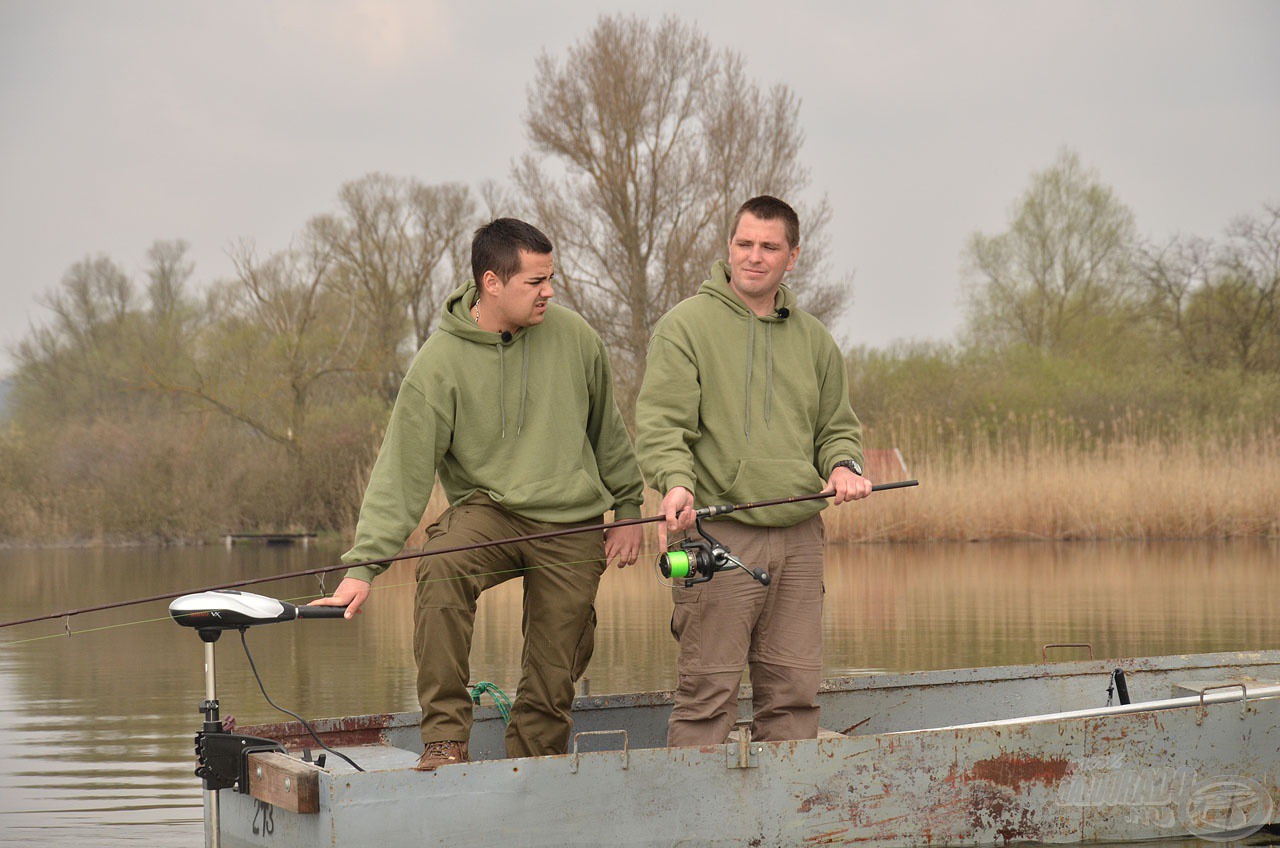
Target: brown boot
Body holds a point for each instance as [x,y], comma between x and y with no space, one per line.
[442,754]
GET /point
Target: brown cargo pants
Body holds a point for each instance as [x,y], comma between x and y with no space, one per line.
[560,580]
[732,620]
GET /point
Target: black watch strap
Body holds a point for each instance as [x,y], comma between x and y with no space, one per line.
[849,464]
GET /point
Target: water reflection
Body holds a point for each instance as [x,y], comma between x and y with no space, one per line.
[95,728]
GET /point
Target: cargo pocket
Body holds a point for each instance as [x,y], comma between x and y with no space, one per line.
[586,646]
[686,626]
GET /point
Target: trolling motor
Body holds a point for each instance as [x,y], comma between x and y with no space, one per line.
[212,612]
[222,756]
[697,560]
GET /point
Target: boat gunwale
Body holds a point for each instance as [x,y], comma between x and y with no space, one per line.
[369,724]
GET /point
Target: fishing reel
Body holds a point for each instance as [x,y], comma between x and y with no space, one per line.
[697,560]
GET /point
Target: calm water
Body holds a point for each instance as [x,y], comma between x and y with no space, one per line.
[96,728]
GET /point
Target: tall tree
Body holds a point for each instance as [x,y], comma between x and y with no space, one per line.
[171,313]
[1220,300]
[1060,278]
[396,245]
[640,156]
[73,365]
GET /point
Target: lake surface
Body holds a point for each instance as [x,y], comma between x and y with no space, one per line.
[96,728]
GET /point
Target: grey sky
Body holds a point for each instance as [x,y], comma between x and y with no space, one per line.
[126,122]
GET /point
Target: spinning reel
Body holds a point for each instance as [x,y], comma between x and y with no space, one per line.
[697,560]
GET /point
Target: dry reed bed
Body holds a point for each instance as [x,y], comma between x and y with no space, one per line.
[1183,488]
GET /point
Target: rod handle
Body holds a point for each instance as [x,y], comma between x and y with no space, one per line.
[898,484]
[321,612]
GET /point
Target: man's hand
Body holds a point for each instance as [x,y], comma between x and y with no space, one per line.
[622,545]
[351,593]
[847,485]
[677,506]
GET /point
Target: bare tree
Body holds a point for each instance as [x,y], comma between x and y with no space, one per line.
[93,300]
[73,366]
[168,275]
[1061,275]
[1171,274]
[1234,319]
[397,245]
[279,330]
[1221,300]
[640,158]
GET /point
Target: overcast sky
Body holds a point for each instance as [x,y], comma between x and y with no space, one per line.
[126,122]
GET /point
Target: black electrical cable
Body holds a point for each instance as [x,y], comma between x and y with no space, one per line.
[305,723]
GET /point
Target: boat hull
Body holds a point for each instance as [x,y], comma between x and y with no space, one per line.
[1203,765]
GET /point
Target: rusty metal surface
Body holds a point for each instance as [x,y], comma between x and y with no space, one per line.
[1091,777]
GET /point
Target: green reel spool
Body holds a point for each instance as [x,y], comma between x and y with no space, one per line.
[675,565]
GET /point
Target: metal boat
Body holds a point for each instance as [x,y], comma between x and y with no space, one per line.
[1085,751]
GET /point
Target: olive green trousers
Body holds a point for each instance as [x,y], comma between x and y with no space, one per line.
[560,577]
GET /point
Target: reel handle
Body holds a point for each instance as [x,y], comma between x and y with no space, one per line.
[757,574]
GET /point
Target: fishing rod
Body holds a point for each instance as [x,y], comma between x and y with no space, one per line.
[704,512]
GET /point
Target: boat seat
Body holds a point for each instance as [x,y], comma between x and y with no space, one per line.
[1196,687]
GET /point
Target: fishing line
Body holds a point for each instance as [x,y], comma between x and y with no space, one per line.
[703,512]
[302,598]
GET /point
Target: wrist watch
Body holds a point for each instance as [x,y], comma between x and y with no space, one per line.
[849,464]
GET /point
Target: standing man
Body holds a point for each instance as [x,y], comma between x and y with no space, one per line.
[746,398]
[511,403]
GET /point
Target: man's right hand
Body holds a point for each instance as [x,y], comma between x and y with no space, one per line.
[677,506]
[351,593]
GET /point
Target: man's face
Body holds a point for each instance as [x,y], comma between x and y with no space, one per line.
[758,257]
[522,300]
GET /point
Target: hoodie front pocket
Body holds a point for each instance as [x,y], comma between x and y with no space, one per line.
[565,491]
[766,479]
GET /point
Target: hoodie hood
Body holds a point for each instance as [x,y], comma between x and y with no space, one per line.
[457,318]
[719,288]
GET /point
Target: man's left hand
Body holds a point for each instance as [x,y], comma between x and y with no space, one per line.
[622,544]
[847,485]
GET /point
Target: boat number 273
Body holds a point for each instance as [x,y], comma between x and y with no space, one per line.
[264,822]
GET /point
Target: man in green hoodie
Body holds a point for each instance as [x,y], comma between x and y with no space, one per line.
[746,398]
[511,403]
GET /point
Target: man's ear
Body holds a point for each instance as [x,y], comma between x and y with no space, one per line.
[490,283]
[795,254]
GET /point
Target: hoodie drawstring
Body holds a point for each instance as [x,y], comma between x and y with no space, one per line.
[502,386]
[768,373]
[751,358]
[524,385]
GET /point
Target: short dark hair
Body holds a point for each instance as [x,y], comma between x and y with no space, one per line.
[496,247]
[768,208]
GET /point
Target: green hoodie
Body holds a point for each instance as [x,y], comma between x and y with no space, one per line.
[528,418]
[739,408]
